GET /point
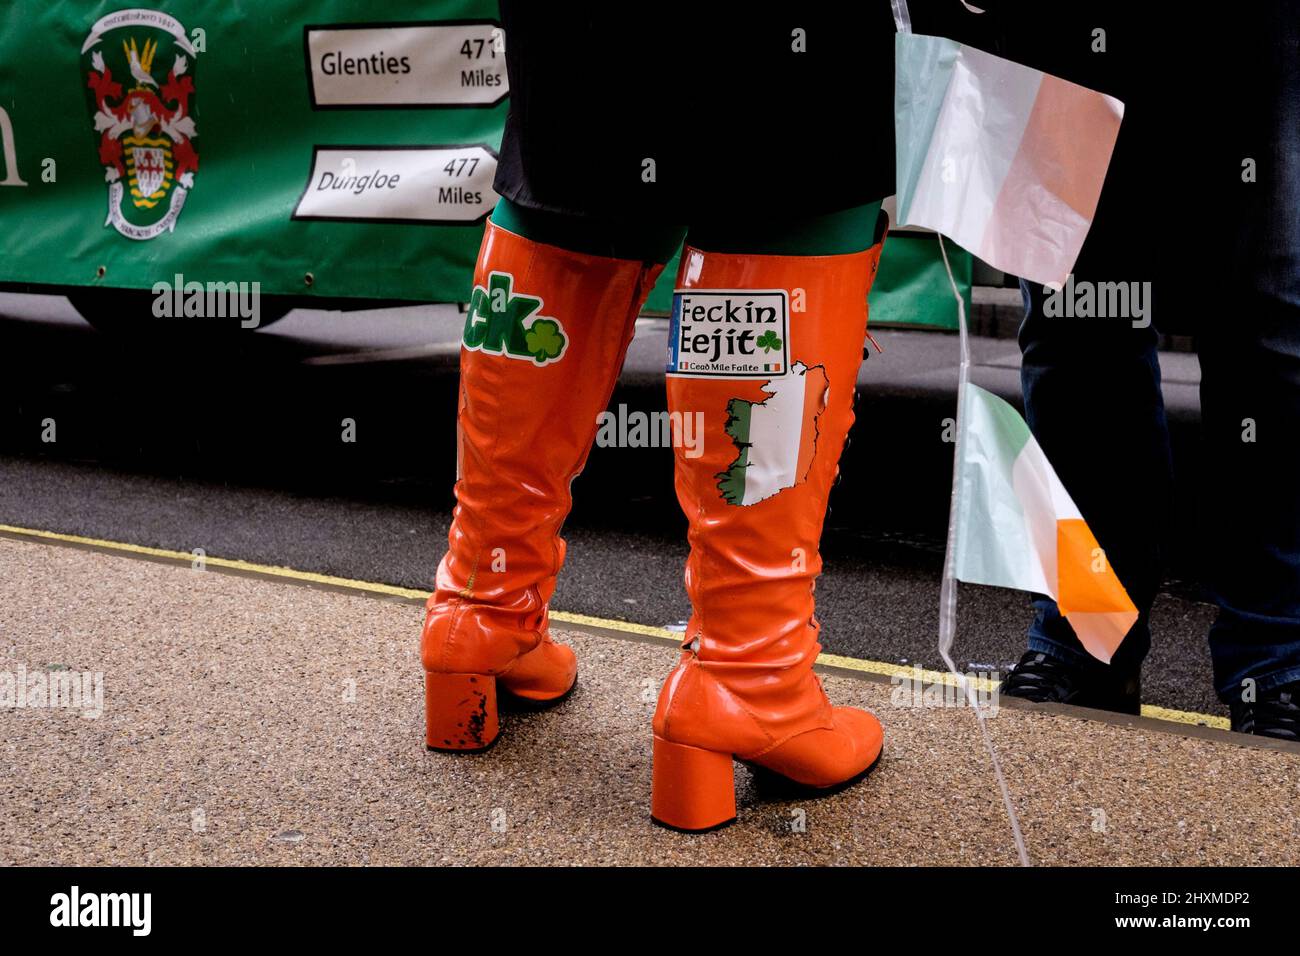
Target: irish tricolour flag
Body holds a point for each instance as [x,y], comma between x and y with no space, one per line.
[1018,528]
[1005,160]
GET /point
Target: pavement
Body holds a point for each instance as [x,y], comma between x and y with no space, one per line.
[249,716]
[234,447]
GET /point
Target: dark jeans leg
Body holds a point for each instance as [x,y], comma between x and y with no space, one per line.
[1250,382]
[1093,401]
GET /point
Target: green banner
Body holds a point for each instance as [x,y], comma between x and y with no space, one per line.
[912,288]
[297,143]
[305,145]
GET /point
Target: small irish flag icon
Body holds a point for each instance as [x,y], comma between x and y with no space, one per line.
[1017,527]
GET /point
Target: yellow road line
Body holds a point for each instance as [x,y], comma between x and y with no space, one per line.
[208,561]
[1185,717]
[646,630]
[862,665]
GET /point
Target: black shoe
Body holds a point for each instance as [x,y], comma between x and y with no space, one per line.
[1275,714]
[1041,678]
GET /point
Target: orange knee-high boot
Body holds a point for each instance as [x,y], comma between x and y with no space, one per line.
[764,355]
[545,336]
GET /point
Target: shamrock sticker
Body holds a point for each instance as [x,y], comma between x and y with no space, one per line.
[545,340]
[768,341]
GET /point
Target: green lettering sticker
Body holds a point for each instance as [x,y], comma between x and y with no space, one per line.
[502,322]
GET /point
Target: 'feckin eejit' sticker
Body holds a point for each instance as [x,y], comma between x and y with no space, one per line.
[729,333]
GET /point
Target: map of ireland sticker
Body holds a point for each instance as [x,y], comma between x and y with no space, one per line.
[776,439]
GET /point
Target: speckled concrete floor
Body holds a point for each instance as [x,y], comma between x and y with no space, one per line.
[252,721]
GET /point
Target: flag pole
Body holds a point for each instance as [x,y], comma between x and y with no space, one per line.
[902,18]
[948,586]
[948,592]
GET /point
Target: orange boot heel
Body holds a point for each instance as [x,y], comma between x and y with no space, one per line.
[692,789]
[460,711]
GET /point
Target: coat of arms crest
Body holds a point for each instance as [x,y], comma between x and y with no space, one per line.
[139,67]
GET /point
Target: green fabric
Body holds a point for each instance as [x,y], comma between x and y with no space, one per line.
[910,289]
[641,242]
[256,138]
[238,220]
[911,286]
[995,544]
[731,483]
[832,234]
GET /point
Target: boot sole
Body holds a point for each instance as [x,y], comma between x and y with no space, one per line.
[776,786]
[772,785]
[514,704]
[713,829]
[468,751]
